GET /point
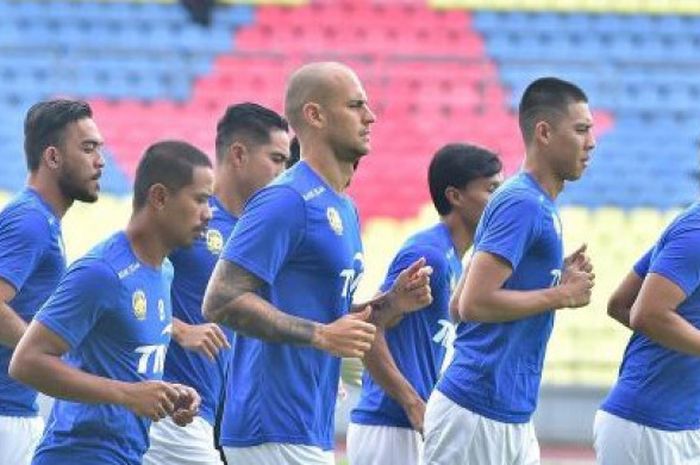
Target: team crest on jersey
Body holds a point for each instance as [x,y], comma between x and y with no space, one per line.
[334,220]
[138,302]
[161,309]
[215,241]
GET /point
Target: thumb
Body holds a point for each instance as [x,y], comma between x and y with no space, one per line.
[364,314]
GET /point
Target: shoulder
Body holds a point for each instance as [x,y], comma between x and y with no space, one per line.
[27,214]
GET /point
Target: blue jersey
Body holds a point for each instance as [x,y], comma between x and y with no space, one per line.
[497,367]
[659,387]
[193,267]
[303,240]
[420,341]
[32,260]
[114,313]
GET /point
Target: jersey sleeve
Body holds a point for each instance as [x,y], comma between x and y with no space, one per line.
[270,228]
[81,298]
[439,279]
[24,239]
[641,268]
[678,259]
[510,229]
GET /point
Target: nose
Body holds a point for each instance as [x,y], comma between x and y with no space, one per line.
[591,143]
[370,117]
[101,161]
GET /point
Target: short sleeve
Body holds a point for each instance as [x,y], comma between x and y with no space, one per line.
[641,268]
[80,299]
[510,229]
[24,240]
[678,259]
[439,279]
[270,228]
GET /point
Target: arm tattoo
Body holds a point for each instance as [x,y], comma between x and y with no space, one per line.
[231,299]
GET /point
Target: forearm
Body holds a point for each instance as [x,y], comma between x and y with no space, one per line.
[52,376]
[384,313]
[253,316]
[671,331]
[503,305]
[381,366]
[12,326]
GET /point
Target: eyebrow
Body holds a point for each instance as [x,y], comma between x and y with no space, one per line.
[92,142]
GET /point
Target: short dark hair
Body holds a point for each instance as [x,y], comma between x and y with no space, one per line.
[543,99]
[44,125]
[248,120]
[456,165]
[294,152]
[169,162]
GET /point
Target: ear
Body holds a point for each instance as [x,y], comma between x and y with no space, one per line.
[158,196]
[453,195]
[313,114]
[237,153]
[543,132]
[52,157]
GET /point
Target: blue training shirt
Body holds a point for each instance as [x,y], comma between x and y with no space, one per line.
[114,312]
[193,267]
[421,340]
[303,240]
[497,367]
[32,260]
[659,387]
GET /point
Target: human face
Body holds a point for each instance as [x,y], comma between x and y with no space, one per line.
[187,212]
[571,141]
[263,163]
[474,196]
[349,119]
[81,166]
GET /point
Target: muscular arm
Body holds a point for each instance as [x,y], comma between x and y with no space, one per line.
[382,367]
[230,299]
[12,326]
[621,301]
[37,362]
[655,313]
[483,298]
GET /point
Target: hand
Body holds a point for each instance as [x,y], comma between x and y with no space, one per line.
[415,410]
[348,336]
[153,399]
[576,285]
[187,406]
[207,339]
[411,289]
[579,260]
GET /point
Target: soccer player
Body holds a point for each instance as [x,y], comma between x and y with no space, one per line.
[397,383]
[99,343]
[287,277]
[481,408]
[652,414]
[252,148]
[62,147]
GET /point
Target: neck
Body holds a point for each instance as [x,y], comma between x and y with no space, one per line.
[543,174]
[335,172]
[232,200]
[146,239]
[50,192]
[461,234]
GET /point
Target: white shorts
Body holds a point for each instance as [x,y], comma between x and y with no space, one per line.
[176,445]
[381,445]
[272,453]
[622,442]
[19,437]
[457,436]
